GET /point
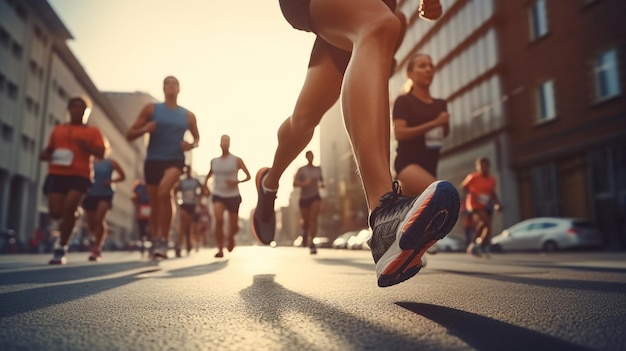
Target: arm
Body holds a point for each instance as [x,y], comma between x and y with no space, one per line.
[121,176]
[404,132]
[193,128]
[243,167]
[205,187]
[143,124]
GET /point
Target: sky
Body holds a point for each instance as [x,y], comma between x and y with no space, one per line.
[239,63]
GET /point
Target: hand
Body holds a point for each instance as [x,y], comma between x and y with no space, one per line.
[83,145]
[443,118]
[430,9]
[497,207]
[185,146]
[149,127]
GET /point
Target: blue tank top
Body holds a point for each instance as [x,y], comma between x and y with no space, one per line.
[102,172]
[171,125]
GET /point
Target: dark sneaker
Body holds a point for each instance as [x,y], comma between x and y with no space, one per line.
[58,257]
[403,228]
[95,255]
[264,218]
[313,250]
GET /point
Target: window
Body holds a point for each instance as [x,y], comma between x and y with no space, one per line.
[545,192]
[5,38]
[12,90]
[606,75]
[538,20]
[17,50]
[546,109]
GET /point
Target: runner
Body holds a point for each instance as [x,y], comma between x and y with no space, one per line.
[69,151]
[309,179]
[352,56]
[226,197]
[142,214]
[190,190]
[481,200]
[99,201]
[167,124]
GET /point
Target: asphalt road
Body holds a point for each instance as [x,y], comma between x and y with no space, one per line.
[261,298]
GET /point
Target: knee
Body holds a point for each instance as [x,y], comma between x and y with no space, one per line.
[163,195]
[385,29]
[304,119]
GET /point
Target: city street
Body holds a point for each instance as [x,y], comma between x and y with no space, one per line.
[262,298]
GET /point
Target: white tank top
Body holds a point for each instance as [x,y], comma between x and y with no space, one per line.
[224,169]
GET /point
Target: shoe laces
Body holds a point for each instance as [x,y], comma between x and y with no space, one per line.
[387,206]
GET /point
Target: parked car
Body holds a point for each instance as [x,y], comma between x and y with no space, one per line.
[342,240]
[359,241]
[450,244]
[548,234]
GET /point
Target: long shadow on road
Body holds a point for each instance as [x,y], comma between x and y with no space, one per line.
[33,299]
[272,305]
[48,274]
[487,334]
[609,287]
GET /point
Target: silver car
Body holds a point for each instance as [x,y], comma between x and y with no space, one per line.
[548,234]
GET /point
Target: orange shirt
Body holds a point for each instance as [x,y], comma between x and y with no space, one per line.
[480,190]
[67,157]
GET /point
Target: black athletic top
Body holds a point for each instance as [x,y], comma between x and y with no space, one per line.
[421,150]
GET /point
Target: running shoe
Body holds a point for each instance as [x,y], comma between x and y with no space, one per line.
[58,257]
[313,250]
[403,228]
[95,255]
[264,218]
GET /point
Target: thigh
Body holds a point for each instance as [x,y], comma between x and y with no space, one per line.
[314,210]
[414,179]
[304,213]
[321,89]
[170,177]
[218,210]
[101,210]
[72,200]
[482,218]
[55,204]
[340,22]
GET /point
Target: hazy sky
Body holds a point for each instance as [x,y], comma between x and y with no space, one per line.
[240,66]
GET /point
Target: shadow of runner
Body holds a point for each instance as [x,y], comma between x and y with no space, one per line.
[483,333]
[46,296]
[609,287]
[269,303]
[193,271]
[55,274]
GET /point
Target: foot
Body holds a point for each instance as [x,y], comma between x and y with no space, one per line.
[95,255]
[58,256]
[474,250]
[264,218]
[312,250]
[403,228]
[230,244]
[219,254]
[178,253]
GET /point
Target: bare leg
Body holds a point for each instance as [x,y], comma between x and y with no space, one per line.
[166,203]
[68,219]
[314,212]
[219,209]
[319,93]
[414,180]
[371,30]
[233,228]
[99,228]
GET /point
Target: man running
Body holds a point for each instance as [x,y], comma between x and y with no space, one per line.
[309,179]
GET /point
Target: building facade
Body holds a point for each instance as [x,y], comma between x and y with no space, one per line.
[38,75]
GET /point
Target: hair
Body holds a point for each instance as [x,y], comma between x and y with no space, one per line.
[75,99]
[168,77]
[409,67]
[482,159]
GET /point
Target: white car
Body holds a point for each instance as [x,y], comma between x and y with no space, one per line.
[548,234]
[449,244]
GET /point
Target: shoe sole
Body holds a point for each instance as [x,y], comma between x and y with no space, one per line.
[431,218]
[259,227]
